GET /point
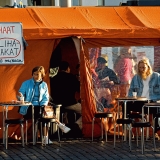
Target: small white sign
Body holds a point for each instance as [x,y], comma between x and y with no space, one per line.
[11,43]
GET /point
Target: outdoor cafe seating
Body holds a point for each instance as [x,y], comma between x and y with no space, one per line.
[142,124]
[9,120]
[48,124]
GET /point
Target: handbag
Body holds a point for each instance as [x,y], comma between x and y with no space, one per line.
[48,112]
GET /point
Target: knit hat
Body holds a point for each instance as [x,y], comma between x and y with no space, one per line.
[101,60]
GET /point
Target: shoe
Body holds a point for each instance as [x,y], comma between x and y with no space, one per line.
[157,136]
[64,128]
[45,140]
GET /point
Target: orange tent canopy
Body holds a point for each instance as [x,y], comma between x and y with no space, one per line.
[88,22]
[98,26]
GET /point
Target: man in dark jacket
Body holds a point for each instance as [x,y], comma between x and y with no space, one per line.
[63,88]
[103,71]
[106,78]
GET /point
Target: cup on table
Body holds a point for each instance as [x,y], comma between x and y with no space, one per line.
[21,99]
[134,94]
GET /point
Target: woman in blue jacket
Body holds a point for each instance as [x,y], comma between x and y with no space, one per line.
[35,90]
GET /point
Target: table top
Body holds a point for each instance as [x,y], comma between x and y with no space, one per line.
[132,98]
[152,104]
[15,103]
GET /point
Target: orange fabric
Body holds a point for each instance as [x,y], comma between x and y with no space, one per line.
[88,22]
[38,53]
[99,26]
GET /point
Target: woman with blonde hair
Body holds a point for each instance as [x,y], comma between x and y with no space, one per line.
[147,84]
[142,73]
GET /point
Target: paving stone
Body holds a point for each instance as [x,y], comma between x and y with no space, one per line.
[82,149]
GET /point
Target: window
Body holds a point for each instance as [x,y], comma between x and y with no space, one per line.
[100,2]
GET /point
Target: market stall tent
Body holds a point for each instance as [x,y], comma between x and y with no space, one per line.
[43,28]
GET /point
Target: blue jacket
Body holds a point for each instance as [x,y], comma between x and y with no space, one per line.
[27,89]
[154,86]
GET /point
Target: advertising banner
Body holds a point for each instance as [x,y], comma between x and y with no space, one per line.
[11,43]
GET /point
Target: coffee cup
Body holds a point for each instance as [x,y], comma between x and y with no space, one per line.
[134,94]
[21,99]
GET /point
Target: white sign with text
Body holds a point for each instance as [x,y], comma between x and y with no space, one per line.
[11,43]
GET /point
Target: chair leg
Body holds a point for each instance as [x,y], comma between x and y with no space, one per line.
[93,127]
[154,144]
[115,134]
[22,134]
[75,117]
[59,139]
[6,136]
[26,131]
[62,117]
[105,119]
[137,136]
[122,133]
[130,137]
[129,134]
[101,129]
[36,132]
[142,139]
[41,132]
[48,128]
[45,134]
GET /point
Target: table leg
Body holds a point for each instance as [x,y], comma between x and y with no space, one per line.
[3,125]
[147,132]
[125,127]
[118,117]
[33,125]
[143,120]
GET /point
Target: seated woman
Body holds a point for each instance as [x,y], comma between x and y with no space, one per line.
[147,84]
[35,90]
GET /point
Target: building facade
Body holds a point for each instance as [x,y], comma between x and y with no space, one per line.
[64,3]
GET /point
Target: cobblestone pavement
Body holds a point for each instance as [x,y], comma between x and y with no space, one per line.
[81,149]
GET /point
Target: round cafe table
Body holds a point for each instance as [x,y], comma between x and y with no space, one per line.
[5,106]
[125,100]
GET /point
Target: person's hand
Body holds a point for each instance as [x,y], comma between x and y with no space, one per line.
[111,82]
[94,72]
[20,94]
[105,79]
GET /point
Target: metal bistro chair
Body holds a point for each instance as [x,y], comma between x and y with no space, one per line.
[12,122]
[48,123]
[157,116]
[123,122]
[100,116]
[65,112]
[130,119]
[142,125]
